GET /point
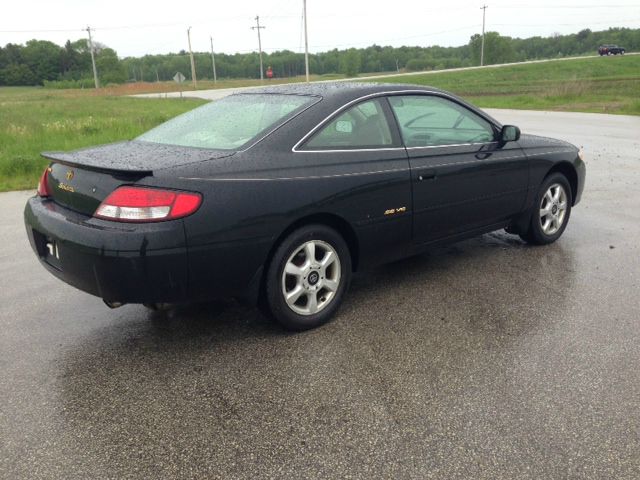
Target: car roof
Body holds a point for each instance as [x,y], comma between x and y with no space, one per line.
[338,90]
[336,94]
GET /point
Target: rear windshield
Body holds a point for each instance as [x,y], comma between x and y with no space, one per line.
[228,124]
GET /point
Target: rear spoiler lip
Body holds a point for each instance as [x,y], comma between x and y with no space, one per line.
[59,157]
[135,158]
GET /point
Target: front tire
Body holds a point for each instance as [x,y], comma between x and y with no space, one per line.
[308,277]
[552,210]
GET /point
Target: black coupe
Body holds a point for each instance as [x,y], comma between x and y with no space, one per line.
[277,195]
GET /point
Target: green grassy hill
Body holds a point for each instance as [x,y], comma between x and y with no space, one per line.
[600,85]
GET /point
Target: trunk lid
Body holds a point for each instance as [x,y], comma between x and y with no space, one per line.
[82,179]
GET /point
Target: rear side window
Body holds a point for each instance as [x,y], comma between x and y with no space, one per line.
[432,121]
[361,126]
[229,123]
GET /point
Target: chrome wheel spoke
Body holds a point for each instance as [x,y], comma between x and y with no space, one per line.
[293,269]
[328,259]
[330,285]
[312,302]
[310,251]
[293,296]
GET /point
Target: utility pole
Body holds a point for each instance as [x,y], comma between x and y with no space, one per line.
[258,27]
[484,11]
[213,62]
[306,40]
[93,59]
[193,63]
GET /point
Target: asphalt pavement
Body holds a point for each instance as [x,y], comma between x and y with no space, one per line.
[483,360]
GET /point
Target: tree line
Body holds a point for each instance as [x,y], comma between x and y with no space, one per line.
[40,62]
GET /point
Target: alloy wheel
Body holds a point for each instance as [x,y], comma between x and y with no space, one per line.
[553,209]
[311,277]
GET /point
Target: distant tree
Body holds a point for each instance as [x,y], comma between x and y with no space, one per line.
[110,69]
[69,59]
[39,61]
[17,74]
[350,63]
[11,53]
[497,49]
[43,59]
[583,35]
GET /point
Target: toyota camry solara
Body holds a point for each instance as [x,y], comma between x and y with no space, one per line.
[278,195]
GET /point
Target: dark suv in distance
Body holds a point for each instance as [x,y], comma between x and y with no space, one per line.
[610,50]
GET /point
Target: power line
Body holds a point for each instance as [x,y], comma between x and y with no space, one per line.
[380,41]
[582,7]
[562,24]
[603,5]
[46,30]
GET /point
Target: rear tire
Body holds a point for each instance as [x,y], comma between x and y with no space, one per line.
[308,277]
[552,209]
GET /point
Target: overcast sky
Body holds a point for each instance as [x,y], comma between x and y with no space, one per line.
[134,28]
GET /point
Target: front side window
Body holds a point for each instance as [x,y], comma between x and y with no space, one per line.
[229,123]
[361,126]
[432,121]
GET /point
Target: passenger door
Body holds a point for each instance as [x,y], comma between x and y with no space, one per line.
[463,178]
[361,169]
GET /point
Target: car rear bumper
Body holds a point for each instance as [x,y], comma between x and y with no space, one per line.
[118,262]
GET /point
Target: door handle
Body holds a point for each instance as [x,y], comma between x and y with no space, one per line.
[427,175]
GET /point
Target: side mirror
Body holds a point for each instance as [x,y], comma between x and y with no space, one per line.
[510,133]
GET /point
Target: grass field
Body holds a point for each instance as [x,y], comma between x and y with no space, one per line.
[171,86]
[36,119]
[600,85]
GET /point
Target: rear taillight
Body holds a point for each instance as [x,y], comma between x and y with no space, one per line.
[143,204]
[43,184]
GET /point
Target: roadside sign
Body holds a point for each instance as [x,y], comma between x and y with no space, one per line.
[179,77]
